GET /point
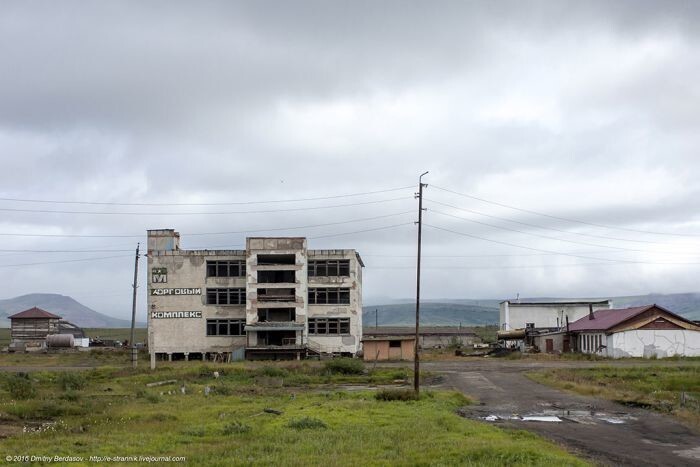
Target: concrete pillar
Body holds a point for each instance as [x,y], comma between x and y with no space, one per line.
[187,356]
[170,357]
[153,360]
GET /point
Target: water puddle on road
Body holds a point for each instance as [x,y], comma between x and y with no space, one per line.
[586,417]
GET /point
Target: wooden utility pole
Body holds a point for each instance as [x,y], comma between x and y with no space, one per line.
[134,350]
[416,358]
[376,318]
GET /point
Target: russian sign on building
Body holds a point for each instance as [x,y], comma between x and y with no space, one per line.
[159,275]
[175,314]
[182,291]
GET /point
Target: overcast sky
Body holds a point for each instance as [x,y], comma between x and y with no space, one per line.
[585,111]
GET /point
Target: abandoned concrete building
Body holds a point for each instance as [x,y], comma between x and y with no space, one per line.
[274,300]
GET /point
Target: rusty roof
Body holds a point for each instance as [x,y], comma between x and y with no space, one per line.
[34,313]
[607,319]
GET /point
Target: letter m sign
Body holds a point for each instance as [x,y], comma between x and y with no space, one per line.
[159,275]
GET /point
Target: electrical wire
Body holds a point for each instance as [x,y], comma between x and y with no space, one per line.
[97,203]
[566,219]
[65,261]
[540,226]
[554,252]
[123,213]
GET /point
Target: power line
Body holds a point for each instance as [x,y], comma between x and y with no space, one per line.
[550,251]
[543,227]
[104,203]
[269,229]
[566,219]
[545,236]
[64,261]
[123,213]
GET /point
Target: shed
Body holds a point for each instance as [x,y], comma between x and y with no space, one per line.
[643,331]
[388,348]
[29,328]
[434,337]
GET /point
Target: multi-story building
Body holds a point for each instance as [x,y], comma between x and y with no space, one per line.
[275,299]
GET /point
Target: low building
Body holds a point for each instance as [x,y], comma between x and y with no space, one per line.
[29,328]
[395,347]
[644,331]
[275,299]
[517,314]
[430,337]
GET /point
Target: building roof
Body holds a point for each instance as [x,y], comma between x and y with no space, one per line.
[423,331]
[34,313]
[607,319]
[555,303]
[387,338]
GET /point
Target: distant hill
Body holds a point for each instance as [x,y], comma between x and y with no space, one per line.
[434,314]
[469,312]
[61,305]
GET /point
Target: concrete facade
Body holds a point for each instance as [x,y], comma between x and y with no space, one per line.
[551,315]
[253,302]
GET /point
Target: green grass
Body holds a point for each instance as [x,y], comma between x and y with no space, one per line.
[669,389]
[114,414]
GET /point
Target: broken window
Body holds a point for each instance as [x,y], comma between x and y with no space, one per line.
[276,314]
[329,296]
[324,268]
[276,259]
[225,296]
[226,268]
[276,295]
[394,343]
[276,277]
[225,327]
[331,326]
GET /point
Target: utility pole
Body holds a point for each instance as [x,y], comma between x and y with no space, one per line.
[376,318]
[416,358]
[134,350]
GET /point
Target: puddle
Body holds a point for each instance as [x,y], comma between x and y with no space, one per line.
[541,418]
[585,417]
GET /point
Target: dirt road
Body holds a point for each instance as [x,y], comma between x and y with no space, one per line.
[602,431]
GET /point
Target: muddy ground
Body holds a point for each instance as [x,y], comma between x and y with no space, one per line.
[602,431]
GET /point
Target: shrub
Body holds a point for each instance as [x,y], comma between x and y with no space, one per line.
[396,395]
[273,371]
[196,432]
[70,396]
[69,381]
[222,390]
[20,387]
[345,366]
[235,427]
[307,423]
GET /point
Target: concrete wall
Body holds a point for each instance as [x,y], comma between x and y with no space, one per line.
[433,341]
[187,269]
[549,315]
[654,342]
[381,350]
[345,343]
[557,342]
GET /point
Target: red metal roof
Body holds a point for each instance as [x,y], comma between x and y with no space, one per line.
[34,313]
[606,319]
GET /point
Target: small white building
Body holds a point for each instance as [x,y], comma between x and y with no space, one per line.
[516,314]
[645,331]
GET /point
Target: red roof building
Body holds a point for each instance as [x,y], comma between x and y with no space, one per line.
[30,327]
[34,313]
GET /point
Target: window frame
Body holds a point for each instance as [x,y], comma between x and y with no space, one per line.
[226,268]
[222,296]
[232,327]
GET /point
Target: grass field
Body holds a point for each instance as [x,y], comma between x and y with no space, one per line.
[321,420]
[669,389]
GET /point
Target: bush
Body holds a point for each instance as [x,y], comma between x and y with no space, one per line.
[273,371]
[307,423]
[20,387]
[396,395]
[345,366]
[235,427]
[70,396]
[69,381]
